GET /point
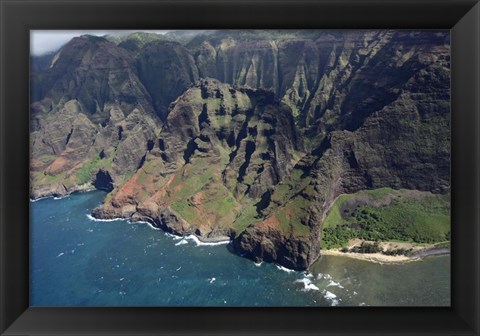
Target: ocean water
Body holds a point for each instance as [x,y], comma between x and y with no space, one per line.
[77,261]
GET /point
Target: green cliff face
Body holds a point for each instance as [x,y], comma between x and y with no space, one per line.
[218,152]
[250,135]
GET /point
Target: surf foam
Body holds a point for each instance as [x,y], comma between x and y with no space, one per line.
[288,270]
[174,237]
[331,297]
[103,220]
[38,199]
[200,243]
[182,242]
[333,283]
[61,197]
[307,284]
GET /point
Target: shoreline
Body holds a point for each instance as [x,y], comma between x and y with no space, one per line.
[61,196]
[380,258]
[220,240]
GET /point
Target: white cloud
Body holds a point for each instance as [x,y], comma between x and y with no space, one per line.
[45,41]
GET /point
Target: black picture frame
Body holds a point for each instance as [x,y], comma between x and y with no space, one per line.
[17,17]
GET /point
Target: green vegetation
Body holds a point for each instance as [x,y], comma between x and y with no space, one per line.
[399,251]
[224,204]
[388,215]
[290,217]
[245,218]
[84,174]
[192,178]
[53,178]
[334,217]
[338,236]
[197,194]
[367,248]
[185,209]
[290,186]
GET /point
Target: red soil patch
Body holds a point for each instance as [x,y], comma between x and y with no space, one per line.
[270,222]
[127,192]
[57,166]
[197,199]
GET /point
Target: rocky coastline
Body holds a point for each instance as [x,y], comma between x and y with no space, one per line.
[245,135]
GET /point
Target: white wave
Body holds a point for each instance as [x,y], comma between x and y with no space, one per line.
[329,295]
[259,264]
[147,223]
[307,284]
[288,270]
[60,254]
[174,237]
[38,199]
[200,243]
[103,220]
[212,280]
[333,283]
[307,274]
[182,242]
[61,197]
[324,276]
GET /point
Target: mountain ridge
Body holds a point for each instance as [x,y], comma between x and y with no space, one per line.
[241,138]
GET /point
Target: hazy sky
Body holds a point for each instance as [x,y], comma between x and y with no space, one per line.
[45,41]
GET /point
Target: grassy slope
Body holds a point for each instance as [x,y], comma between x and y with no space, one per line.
[388,215]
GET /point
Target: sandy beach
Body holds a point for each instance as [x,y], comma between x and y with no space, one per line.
[419,251]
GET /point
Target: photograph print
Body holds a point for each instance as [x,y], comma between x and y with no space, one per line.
[255,168]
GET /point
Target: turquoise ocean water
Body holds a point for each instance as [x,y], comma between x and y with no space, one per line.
[77,261]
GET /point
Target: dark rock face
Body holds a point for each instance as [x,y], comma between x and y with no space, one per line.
[331,82]
[95,73]
[167,69]
[273,246]
[395,147]
[89,101]
[248,135]
[103,181]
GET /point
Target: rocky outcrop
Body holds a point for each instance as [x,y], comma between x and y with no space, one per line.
[405,144]
[219,150]
[331,80]
[92,112]
[96,73]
